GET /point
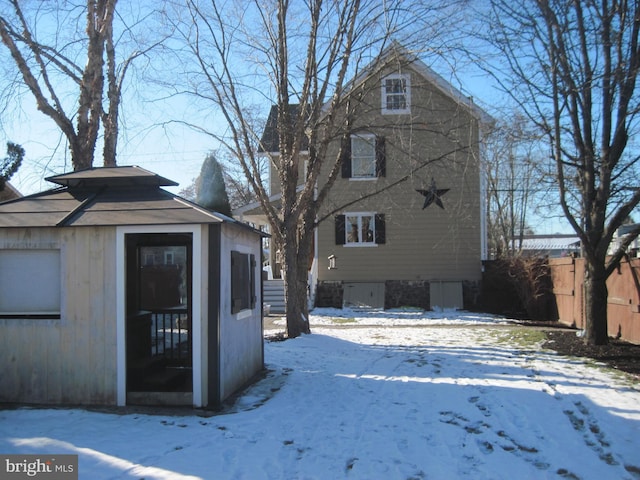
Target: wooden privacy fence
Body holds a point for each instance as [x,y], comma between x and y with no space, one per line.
[623,306]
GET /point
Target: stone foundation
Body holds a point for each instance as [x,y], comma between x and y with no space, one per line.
[329,294]
[407,293]
[397,293]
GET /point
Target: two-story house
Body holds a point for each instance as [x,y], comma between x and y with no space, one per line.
[404,225]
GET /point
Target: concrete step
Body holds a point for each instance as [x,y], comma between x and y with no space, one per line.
[273,294]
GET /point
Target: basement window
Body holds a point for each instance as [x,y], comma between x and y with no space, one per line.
[30,283]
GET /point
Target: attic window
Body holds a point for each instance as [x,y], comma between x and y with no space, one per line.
[30,283]
[396,94]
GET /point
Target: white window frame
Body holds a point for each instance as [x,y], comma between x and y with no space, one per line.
[407,94]
[200,259]
[349,242]
[357,160]
[31,283]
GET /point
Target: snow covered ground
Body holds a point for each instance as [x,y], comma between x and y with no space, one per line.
[400,395]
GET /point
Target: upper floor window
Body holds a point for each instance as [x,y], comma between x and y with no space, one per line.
[364,157]
[396,94]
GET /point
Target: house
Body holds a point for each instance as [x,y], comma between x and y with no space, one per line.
[9,192]
[114,291]
[634,248]
[405,223]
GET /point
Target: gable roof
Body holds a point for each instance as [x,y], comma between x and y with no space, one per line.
[397,53]
[107,196]
[9,192]
[270,140]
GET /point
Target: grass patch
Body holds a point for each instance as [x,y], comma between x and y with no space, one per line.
[342,320]
[522,337]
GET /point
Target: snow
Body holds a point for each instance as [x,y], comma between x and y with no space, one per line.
[374,395]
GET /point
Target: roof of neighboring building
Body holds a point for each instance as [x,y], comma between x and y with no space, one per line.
[9,192]
[107,196]
[550,242]
[270,140]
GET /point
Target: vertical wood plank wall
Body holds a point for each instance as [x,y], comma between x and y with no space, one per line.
[71,360]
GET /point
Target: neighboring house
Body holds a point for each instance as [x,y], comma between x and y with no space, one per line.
[114,291]
[634,248]
[9,192]
[421,240]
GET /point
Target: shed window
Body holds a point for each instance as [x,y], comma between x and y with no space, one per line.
[30,283]
[243,292]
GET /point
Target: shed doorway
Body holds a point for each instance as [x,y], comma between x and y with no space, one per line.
[159,340]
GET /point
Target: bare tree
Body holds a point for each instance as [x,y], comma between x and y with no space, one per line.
[65,54]
[297,56]
[515,184]
[304,65]
[572,67]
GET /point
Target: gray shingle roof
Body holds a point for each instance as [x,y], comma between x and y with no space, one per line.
[106,196]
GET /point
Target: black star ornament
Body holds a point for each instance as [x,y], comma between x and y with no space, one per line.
[433,195]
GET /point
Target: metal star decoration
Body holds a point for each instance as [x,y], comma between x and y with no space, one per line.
[433,195]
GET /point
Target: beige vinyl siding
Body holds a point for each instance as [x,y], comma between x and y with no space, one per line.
[73,359]
[429,244]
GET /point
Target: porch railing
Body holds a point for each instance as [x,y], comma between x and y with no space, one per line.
[171,335]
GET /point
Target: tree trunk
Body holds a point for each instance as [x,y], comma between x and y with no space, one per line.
[595,303]
[296,300]
[296,283]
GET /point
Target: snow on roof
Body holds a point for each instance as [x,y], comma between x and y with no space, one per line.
[549,242]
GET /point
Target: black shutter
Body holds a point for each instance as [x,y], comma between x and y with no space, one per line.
[340,230]
[381,161]
[236,282]
[346,157]
[381,234]
[252,281]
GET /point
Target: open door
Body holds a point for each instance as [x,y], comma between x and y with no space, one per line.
[159,345]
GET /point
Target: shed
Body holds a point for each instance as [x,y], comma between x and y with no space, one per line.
[114,291]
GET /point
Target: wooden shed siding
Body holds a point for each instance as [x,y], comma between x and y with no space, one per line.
[420,243]
[241,351]
[71,360]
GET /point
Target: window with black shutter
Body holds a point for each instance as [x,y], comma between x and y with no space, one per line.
[364,157]
[359,228]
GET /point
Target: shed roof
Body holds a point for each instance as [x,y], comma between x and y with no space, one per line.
[107,196]
[111,176]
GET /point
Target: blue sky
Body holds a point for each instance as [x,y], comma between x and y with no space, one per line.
[173,150]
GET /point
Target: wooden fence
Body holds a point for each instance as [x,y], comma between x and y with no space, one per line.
[623,306]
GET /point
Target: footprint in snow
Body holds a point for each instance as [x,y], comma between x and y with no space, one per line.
[583,421]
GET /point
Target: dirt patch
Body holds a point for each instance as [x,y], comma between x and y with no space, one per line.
[617,354]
